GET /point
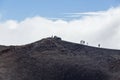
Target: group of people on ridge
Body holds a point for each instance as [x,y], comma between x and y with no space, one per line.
[83,42]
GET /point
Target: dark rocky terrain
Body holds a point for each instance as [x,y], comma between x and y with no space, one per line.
[55,59]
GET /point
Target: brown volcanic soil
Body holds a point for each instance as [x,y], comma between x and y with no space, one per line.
[55,59]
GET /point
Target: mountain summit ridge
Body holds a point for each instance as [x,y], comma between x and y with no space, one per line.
[55,59]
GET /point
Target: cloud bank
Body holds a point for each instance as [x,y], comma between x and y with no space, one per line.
[101,27]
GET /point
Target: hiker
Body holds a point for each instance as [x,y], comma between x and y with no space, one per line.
[82,42]
[98,45]
[87,43]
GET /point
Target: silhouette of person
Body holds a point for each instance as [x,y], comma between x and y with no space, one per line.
[87,43]
[81,42]
[98,45]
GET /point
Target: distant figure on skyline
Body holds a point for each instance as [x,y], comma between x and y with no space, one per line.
[82,42]
[98,45]
[87,43]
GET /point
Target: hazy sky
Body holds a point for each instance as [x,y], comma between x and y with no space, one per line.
[26,21]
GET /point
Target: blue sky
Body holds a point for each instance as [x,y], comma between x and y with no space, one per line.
[20,9]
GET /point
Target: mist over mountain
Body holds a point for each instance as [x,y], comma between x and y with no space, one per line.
[55,59]
[102,26]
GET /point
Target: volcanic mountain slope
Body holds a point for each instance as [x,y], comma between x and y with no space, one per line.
[55,59]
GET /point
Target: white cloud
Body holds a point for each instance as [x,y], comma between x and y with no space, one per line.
[99,27]
[74,15]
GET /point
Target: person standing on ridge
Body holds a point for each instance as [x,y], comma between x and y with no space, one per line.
[98,45]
